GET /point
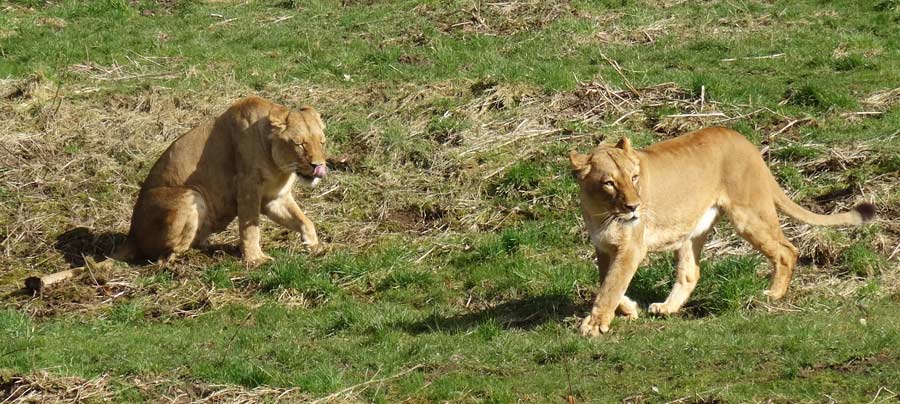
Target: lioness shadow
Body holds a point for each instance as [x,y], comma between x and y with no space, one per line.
[81,242]
[524,314]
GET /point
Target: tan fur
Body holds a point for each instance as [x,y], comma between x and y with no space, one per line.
[239,165]
[677,189]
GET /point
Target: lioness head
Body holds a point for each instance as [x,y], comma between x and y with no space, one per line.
[609,177]
[298,143]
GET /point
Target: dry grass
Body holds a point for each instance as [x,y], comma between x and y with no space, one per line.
[45,387]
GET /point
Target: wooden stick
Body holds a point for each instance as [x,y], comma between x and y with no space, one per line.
[37,284]
[777,55]
[701,114]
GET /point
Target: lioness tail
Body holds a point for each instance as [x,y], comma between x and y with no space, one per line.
[861,213]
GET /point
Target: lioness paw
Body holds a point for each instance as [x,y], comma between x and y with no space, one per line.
[255,260]
[773,294]
[315,249]
[661,309]
[629,309]
[590,328]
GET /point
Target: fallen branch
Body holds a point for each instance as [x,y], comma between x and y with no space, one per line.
[37,284]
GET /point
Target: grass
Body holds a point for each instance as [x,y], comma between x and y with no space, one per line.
[457,266]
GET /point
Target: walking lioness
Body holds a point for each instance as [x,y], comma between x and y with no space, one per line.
[241,164]
[666,197]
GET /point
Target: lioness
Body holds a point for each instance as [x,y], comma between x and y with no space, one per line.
[666,197]
[240,164]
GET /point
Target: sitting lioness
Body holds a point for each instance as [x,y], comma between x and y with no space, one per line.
[241,164]
[666,197]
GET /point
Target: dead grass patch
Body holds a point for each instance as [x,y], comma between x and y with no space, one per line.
[45,387]
[503,18]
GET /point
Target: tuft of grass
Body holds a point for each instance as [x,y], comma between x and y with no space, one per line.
[727,285]
[860,260]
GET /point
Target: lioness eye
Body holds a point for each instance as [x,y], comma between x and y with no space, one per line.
[608,183]
[634,179]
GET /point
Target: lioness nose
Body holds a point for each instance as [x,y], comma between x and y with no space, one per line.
[632,207]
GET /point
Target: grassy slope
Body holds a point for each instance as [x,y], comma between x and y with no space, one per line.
[487,298]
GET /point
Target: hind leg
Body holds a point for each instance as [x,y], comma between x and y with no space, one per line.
[167,221]
[687,274]
[759,225]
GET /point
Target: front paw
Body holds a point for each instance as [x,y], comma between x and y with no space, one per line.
[661,309]
[316,249]
[591,327]
[256,258]
[774,294]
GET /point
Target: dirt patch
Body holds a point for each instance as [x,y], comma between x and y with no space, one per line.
[416,218]
[854,365]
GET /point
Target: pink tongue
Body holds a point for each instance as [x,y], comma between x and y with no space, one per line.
[320,171]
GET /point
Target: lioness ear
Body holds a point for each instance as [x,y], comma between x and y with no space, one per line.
[315,114]
[278,118]
[581,166]
[624,144]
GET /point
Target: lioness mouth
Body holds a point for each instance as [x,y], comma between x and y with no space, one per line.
[319,171]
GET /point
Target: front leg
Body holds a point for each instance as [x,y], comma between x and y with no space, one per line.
[623,264]
[285,212]
[627,307]
[248,206]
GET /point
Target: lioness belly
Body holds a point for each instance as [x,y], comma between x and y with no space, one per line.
[673,237]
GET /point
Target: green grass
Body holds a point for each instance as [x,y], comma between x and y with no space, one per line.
[455,239]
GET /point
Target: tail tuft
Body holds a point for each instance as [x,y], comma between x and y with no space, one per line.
[866,211]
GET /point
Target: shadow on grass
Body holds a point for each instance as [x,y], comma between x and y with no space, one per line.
[524,314]
[81,242]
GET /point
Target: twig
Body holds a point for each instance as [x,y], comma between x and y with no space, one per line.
[425,255]
[622,118]
[786,127]
[740,116]
[700,114]
[878,393]
[234,334]
[280,19]
[622,75]
[223,22]
[702,97]
[896,250]
[351,388]
[862,113]
[777,55]
[698,394]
